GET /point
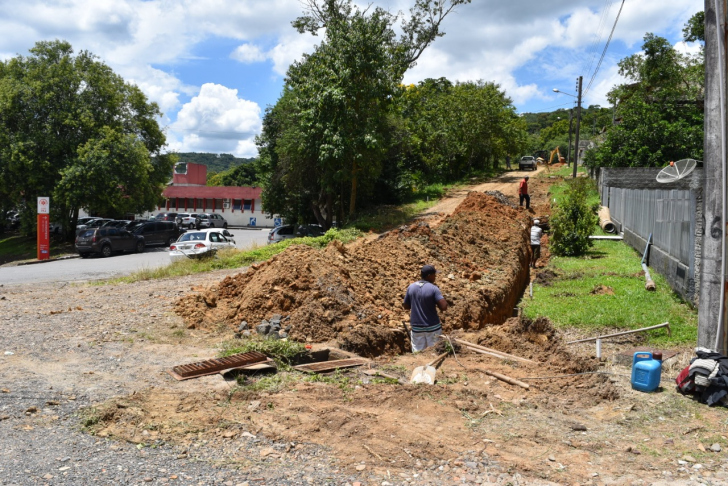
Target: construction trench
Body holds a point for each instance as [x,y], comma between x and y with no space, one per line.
[350,298]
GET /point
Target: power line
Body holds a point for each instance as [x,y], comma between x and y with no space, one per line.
[604,52]
[593,49]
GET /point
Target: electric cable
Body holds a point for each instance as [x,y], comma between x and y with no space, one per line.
[604,52]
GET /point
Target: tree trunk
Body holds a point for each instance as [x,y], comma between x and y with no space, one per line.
[352,200]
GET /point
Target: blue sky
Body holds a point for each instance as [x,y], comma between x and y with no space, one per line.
[213,66]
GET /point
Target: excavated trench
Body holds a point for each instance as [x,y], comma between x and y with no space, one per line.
[353,295]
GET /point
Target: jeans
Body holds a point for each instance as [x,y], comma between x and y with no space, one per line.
[525,197]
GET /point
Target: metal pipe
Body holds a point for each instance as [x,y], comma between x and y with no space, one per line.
[649,283]
[664,324]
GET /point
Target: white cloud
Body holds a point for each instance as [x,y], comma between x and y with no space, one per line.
[217,120]
[248,53]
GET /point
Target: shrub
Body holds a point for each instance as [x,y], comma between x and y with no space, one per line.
[574,218]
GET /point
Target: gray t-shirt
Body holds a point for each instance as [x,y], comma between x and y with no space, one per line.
[422,297]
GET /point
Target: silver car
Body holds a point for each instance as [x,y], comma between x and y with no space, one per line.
[527,162]
[210,220]
[186,220]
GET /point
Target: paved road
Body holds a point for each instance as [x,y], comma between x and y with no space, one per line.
[95,268]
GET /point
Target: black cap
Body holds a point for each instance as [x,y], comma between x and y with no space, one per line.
[427,270]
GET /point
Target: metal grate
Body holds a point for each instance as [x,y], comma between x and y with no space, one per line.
[332,365]
[210,366]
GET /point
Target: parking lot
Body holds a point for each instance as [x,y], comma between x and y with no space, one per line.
[95,267]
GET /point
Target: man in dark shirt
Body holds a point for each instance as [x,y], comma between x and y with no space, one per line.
[422,299]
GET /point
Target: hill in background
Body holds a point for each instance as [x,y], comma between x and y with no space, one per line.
[215,163]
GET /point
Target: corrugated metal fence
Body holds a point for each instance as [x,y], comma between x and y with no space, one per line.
[666,213]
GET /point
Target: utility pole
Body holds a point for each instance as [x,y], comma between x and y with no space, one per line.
[712,306]
[578,120]
[568,149]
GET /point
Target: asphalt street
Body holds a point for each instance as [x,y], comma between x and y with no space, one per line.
[95,268]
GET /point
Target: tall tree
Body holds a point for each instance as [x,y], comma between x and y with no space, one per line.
[659,114]
[60,115]
[341,95]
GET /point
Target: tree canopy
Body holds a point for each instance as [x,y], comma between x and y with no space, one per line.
[659,112]
[71,129]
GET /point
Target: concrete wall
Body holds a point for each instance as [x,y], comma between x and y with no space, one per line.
[673,213]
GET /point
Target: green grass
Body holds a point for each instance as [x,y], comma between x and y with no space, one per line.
[568,302]
[15,247]
[235,258]
[386,217]
[282,352]
[564,172]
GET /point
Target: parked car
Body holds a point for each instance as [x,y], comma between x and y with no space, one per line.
[106,241]
[166,217]
[117,223]
[527,162]
[186,220]
[210,220]
[158,232]
[55,228]
[280,233]
[200,243]
[134,224]
[94,223]
[288,231]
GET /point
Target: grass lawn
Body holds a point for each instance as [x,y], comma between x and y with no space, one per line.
[235,258]
[571,300]
[14,247]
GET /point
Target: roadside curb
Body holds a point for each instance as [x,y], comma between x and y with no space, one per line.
[34,262]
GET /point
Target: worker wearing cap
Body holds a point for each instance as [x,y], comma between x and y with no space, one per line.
[422,299]
[536,234]
[523,193]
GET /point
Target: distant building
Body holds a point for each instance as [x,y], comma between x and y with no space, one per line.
[188,193]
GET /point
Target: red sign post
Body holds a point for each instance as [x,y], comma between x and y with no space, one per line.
[44,231]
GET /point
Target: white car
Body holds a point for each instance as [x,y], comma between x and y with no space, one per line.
[200,243]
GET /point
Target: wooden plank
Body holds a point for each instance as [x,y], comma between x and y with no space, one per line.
[331,365]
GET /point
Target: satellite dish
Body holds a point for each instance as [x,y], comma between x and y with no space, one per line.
[676,170]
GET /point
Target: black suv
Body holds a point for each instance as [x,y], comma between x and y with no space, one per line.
[158,232]
[106,241]
[166,217]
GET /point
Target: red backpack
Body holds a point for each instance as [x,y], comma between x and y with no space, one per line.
[685,383]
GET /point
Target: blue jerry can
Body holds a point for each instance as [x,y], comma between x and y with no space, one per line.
[646,372]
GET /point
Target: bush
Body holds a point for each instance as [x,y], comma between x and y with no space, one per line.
[574,218]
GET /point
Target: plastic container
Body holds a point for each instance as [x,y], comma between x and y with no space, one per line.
[646,372]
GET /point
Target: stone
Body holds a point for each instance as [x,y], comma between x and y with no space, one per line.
[263,328]
[48,476]
[552,459]
[471,465]
[243,326]
[248,434]
[282,334]
[715,447]
[254,405]
[267,452]
[688,458]
[148,480]
[361,467]
[578,427]
[246,333]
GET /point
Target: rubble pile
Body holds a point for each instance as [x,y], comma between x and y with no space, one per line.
[354,294]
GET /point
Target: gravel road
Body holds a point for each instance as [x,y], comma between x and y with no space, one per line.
[67,347]
[96,268]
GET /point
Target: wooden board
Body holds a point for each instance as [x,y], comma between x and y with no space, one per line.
[331,365]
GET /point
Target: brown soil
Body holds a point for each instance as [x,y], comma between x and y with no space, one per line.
[579,422]
[354,294]
[602,290]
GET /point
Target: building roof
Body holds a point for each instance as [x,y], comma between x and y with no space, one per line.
[212,192]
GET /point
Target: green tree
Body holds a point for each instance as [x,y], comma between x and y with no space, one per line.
[574,219]
[340,100]
[59,113]
[659,114]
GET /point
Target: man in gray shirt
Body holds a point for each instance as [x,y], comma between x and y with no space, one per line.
[422,299]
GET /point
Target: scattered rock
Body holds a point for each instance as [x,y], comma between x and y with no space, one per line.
[715,447]
[361,467]
[243,326]
[578,427]
[688,458]
[263,328]
[552,459]
[267,452]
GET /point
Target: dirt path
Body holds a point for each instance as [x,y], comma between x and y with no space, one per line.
[507,184]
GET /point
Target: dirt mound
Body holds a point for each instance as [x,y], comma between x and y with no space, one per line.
[502,198]
[546,277]
[602,290]
[537,340]
[354,294]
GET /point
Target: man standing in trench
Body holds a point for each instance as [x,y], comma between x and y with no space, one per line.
[422,299]
[536,234]
[523,193]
